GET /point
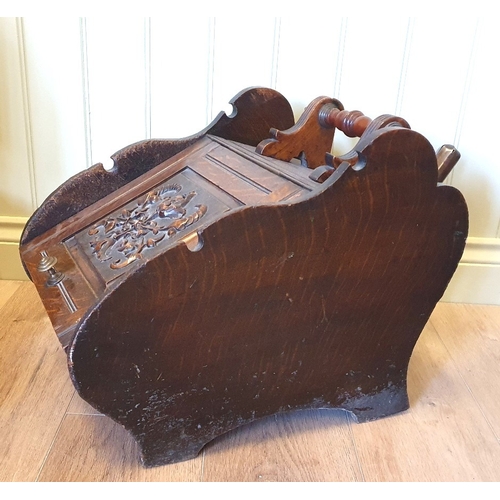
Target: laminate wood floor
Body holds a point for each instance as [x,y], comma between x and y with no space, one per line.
[450,433]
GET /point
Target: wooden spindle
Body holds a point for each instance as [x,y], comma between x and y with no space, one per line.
[352,123]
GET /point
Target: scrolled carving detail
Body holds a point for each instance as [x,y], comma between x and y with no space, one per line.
[161,213]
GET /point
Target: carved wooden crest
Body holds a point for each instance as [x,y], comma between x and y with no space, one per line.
[161,213]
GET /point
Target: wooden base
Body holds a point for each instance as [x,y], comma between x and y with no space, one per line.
[174,446]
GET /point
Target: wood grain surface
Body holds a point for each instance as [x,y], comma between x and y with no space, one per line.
[34,387]
[450,432]
[475,352]
[442,437]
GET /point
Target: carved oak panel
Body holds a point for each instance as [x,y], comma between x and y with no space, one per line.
[148,225]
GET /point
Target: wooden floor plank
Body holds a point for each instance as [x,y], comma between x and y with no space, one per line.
[80,407]
[7,289]
[34,387]
[442,437]
[450,433]
[314,445]
[475,349]
[94,448]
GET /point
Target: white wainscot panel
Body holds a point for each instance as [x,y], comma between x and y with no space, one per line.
[117,62]
[477,174]
[308,58]
[16,196]
[435,84]
[180,65]
[243,56]
[55,95]
[373,63]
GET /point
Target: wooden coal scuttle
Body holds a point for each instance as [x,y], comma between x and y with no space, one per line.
[206,282]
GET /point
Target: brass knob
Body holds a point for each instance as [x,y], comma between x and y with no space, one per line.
[46,265]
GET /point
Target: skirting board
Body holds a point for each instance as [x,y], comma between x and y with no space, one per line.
[10,234]
[476,281]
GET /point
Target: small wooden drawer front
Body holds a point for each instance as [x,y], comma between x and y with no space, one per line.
[74,282]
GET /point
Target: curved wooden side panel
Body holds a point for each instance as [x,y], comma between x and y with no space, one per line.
[256,111]
[317,304]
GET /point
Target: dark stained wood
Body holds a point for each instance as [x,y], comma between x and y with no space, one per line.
[256,111]
[449,433]
[224,286]
[216,170]
[352,123]
[83,295]
[447,158]
[308,140]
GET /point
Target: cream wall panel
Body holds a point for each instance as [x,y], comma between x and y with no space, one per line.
[478,174]
[15,161]
[118,92]
[181,52]
[436,78]
[308,58]
[243,56]
[54,83]
[82,89]
[11,267]
[372,66]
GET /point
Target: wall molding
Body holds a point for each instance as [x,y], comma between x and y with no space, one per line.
[477,279]
[482,251]
[11,229]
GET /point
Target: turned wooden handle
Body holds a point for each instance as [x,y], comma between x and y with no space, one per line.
[352,123]
[447,158]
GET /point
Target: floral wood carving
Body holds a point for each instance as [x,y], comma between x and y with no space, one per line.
[160,214]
